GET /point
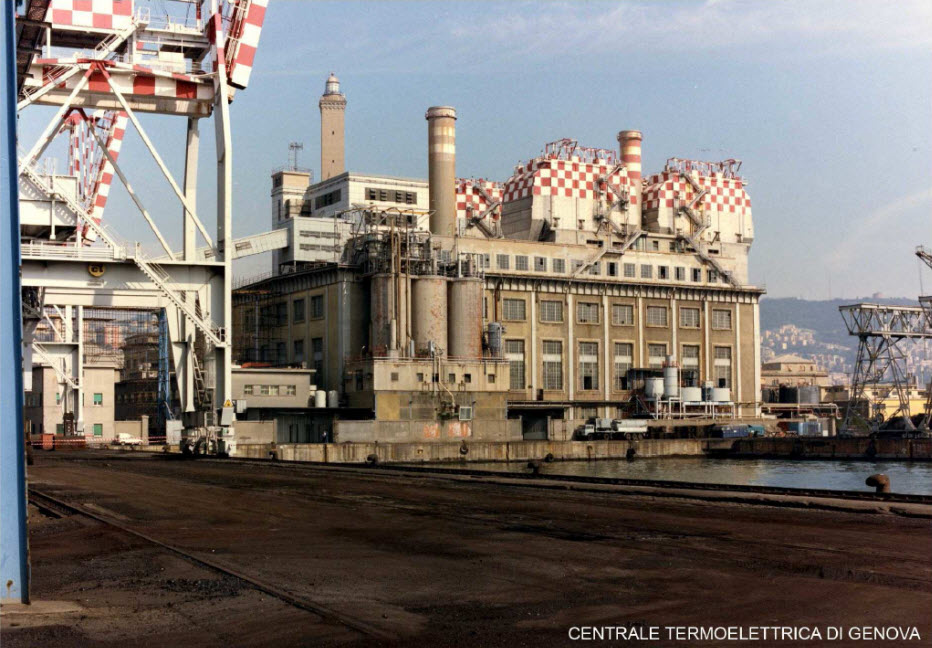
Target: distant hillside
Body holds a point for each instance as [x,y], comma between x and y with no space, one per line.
[820,316]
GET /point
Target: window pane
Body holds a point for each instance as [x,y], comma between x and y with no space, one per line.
[689,317]
[622,314]
[551,311]
[656,315]
[514,309]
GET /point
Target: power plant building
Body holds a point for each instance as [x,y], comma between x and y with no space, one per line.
[475,308]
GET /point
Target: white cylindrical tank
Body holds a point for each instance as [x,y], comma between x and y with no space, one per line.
[671,381]
[692,394]
[653,387]
[721,394]
[333,399]
[320,398]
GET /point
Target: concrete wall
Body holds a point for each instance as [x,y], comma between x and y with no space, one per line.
[250,432]
[477,450]
[133,428]
[428,431]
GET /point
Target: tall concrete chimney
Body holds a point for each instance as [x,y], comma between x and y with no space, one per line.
[332,109]
[441,168]
[630,142]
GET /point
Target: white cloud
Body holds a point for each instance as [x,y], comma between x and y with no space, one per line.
[856,26]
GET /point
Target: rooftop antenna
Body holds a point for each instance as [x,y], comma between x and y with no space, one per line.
[293,149]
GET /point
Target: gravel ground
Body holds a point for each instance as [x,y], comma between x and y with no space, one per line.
[439,562]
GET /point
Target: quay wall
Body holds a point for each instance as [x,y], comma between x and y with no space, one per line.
[833,448]
[480,450]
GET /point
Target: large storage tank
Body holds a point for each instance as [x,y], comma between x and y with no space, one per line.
[810,394]
[384,307]
[692,394]
[320,399]
[429,312]
[653,387]
[721,394]
[464,324]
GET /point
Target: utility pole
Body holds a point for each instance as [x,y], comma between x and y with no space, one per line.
[14,555]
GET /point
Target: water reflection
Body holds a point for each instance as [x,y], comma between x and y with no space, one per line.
[906,477]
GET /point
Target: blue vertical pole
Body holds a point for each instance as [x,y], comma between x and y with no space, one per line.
[14,557]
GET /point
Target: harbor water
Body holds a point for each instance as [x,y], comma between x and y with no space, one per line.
[905,476]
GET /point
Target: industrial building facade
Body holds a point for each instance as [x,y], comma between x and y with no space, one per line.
[550,295]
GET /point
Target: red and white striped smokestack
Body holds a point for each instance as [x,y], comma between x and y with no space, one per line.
[630,143]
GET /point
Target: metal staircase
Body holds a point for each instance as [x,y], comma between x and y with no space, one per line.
[701,225]
[152,270]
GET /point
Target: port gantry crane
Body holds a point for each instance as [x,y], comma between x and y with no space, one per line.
[103,64]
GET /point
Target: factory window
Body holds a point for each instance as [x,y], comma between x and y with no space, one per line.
[551,311]
[588,365]
[98,429]
[451,378]
[514,310]
[297,307]
[327,199]
[622,315]
[689,317]
[58,399]
[420,376]
[491,378]
[577,265]
[394,376]
[680,273]
[540,264]
[647,271]
[446,256]
[98,400]
[467,378]
[722,371]
[587,413]
[656,315]
[299,350]
[612,269]
[624,360]
[663,272]
[630,270]
[502,260]
[690,365]
[713,276]
[317,306]
[656,353]
[291,390]
[655,245]
[672,246]
[553,364]
[387,195]
[247,390]
[559,266]
[520,263]
[264,390]
[587,313]
[486,260]
[514,353]
[721,319]
[595,268]
[281,313]
[317,357]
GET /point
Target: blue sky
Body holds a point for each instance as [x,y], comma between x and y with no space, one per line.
[828,104]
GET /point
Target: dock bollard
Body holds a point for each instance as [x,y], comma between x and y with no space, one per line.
[880,482]
[534,465]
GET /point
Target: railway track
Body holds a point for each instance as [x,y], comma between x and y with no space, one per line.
[59,508]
